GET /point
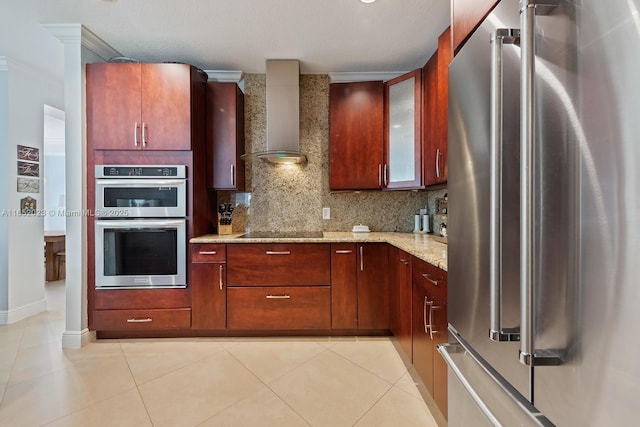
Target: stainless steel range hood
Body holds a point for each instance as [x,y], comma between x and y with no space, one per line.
[283,113]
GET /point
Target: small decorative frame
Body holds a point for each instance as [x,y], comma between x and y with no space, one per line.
[28,169]
[28,185]
[30,154]
[28,205]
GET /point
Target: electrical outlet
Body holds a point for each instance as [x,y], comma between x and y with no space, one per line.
[326,213]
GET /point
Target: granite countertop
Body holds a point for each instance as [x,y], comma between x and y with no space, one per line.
[423,246]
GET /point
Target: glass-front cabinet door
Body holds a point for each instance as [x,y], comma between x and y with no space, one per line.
[403,149]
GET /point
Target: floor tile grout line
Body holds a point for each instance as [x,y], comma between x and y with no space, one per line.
[268,386]
[372,406]
[366,369]
[137,386]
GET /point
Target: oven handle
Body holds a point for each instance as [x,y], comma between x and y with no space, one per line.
[136,182]
[140,223]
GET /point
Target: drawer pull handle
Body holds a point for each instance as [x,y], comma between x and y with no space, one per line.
[208,252]
[134,320]
[345,251]
[404,261]
[429,279]
[278,296]
[278,252]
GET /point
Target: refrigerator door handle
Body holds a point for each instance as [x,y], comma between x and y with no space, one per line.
[497,333]
[529,355]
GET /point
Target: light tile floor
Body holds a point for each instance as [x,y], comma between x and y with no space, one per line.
[321,381]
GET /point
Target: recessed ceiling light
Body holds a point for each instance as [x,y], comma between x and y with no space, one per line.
[367,1]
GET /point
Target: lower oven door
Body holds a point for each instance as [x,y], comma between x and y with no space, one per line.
[140,254]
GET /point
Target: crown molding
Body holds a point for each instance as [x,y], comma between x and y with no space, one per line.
[233,76]
[78,33]
[347,77]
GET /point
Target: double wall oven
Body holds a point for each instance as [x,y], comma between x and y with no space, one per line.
[140,227]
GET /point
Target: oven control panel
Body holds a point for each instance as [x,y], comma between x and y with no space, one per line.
[138,171]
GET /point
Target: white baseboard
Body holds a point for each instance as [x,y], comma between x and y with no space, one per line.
[76,339]
[16,314]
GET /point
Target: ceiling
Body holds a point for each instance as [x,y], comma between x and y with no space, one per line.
[325,35]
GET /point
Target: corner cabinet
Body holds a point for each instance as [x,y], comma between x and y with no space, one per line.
[400,299]
[402,132]
[225,136]
[143,106]
[359,286]
[355,133]
[208,277]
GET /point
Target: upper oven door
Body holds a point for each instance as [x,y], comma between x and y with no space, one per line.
[141,198]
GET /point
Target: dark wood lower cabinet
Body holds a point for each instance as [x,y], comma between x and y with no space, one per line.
[142,320]
[400,299]
[373,285]
[344,286]
[429,320]
[284,307]
[208,295]
[208,283]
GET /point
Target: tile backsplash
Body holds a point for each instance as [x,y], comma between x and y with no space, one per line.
[291,197]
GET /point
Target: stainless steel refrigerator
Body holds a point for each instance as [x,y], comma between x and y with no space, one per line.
[544,217]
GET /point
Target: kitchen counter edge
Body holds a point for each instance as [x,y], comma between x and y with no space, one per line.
[422,246]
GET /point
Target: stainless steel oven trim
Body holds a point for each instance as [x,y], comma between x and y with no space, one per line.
[180,211]
[133,282]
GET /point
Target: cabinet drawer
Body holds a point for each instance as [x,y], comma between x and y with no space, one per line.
[290,308]
[125,320]
[278,264]
[431,277]
[207,252]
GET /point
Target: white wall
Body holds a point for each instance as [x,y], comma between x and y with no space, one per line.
[32,77]
[54,191]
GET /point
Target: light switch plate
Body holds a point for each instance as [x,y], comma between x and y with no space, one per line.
[326,213]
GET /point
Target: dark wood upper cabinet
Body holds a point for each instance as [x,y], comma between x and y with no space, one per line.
[356,135]
[402,132]
[143,106]
[225,137]
[466,15]
[435,98]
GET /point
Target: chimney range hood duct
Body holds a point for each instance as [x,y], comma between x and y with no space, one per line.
[283,113]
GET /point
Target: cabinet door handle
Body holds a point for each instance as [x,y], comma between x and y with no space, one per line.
[429,279]
[207,252]
[233,175]
[220,276]
[344,251]
[361,258]
[380,174]
[278,296]
[438,154]
[134,320]
[278,252]
[404,261]
[385,175]
[136,126]
[427,303]
[431,308]
[144,134]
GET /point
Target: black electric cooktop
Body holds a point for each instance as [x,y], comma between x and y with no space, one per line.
[282,234]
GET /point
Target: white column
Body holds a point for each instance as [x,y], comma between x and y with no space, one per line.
[81,46]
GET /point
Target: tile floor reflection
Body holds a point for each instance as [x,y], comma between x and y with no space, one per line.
[351,381]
